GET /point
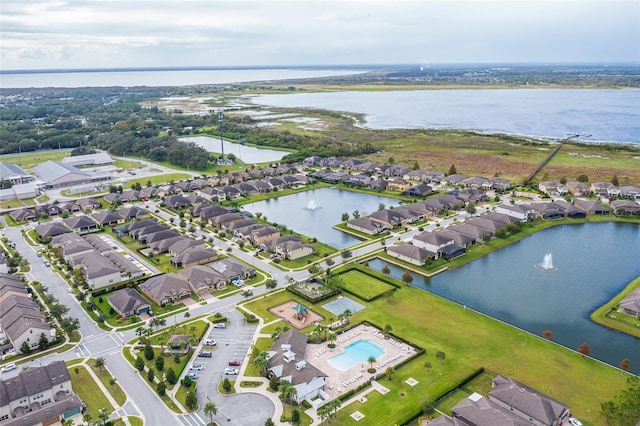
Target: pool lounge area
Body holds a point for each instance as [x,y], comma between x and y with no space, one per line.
[350,348]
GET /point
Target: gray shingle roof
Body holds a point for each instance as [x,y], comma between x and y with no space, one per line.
[127,300]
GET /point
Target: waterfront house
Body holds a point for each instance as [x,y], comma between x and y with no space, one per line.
[625,207]
[367,225]
[591,207]
[630,305]
[410,253]
[630,191]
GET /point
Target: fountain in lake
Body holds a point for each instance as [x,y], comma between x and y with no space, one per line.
[312,205]
[547,263]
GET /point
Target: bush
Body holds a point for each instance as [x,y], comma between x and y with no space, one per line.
[160,363]
[139,364]
[170,376]
[148,352]
[191,400]
[161,388]
[226,385]
[151,375]
[187,382]
[274,383]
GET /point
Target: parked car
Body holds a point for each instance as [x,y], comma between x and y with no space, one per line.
[9,367]
[231,371]
[192,376]
[575,422]
[47,264]
[205,354]
[220,325]
[197,367]
[39,254]
[209,342]
[234,362]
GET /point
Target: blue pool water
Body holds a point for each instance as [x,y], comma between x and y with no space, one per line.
[357,352]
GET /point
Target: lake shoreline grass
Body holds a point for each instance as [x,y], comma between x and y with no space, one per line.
[607,316]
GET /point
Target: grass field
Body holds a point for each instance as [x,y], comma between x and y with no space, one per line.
[364,286]
[87,389]
[29,161]
[105,378]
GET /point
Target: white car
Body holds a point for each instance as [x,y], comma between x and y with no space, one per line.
[198,367]
[575,422]
[231,371]
[9,367]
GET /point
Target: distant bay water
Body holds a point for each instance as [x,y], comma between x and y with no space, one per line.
[156,78]
[608,115]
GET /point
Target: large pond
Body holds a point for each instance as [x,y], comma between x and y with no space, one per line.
[247,154]
[593,263]
[313,213]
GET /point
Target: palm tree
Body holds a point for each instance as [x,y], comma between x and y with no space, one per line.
[371,361]
[87,418]
[100,362]
[284,389]
[210,410]
[388,328]
[332,338]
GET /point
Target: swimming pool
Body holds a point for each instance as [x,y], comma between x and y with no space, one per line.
[357,352]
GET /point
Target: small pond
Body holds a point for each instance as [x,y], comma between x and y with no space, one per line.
[248,154]
[592,263]
[313,213]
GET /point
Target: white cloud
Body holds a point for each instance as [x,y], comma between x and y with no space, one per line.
[118,33]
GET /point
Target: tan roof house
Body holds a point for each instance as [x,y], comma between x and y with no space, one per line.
[166,288]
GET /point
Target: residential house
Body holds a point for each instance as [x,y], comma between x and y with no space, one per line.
[89,204]
[522,212]
[591,207]
[291,247]
[432,241]
[247,189]
[23,215]
[460,239]
[630,305]
[176,202]
[388,218]
[578,189]
[163,289]
[149,192]
[133,212]
[231,192]
[107,218]
[225,219]
[71,244]
[98,243]
[195,256]
[184,244]
[129,195]
[264,234]
[527,403]
[98,272]
[127,302]
[163,234]
[367,225]
[70,207]
[38,396]
[551,187]
[20,317]
[410,253]
[477,233]
[630,191]
[232,270]
[625,207]
[128,269]
[605,189]
[147,230]
[454,179]
[238,224]
[196,200]
[498,184]
[398,185]
[474,182]
[162,246]
[420,190]
[211,194]
[203,279]
[286,362]
[419,175]
[80,224]
[476,410]
[49,230]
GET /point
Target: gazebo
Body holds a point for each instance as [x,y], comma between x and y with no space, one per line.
[301,312]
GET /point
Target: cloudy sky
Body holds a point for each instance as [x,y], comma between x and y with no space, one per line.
[52,34]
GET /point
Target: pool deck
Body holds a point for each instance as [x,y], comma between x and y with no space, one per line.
[339,381]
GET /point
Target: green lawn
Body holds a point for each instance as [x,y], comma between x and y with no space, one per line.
[28,161]
[87,389]
[181,395]
[116,391]
[169,362]
[363,285]
[608,316]
[263,344]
